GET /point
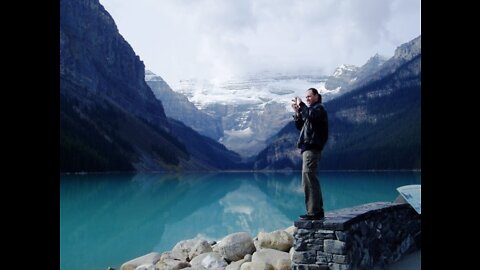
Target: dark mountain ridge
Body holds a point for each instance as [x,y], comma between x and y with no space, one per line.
[110,119]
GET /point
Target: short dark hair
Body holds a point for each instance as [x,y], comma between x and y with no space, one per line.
[315,92]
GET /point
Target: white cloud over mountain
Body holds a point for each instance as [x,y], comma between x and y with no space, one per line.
[217,40]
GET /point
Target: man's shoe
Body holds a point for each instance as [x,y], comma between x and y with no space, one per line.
[312,217]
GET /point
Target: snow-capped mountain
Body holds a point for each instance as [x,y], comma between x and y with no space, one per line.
[252,108]
[343,75]
[347,77]
[179,108]
[255,107]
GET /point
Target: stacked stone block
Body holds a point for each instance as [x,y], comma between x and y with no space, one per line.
[362,237]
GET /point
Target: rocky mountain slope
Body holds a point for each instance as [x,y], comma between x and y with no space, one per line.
[110,120]
[179,108]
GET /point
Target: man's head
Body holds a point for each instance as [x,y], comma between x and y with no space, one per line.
[312,96]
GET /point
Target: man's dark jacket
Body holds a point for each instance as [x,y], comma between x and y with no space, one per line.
[313,125]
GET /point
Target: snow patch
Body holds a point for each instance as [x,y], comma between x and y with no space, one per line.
[243,133]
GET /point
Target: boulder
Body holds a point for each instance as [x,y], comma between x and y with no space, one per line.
[237,264]
[200,247]
[171,264]
[235,246]
[150,258]
[256,266]
[147,266]
[278,259]
[187,249]
[291,230]
[196,267]
[210,260]
[279,240]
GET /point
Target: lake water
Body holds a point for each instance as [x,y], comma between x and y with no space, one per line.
[108,219]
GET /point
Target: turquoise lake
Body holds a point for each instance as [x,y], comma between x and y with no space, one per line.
[108,219]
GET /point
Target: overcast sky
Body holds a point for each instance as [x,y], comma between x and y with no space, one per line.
[218,39]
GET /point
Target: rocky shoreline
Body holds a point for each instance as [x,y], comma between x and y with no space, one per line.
[237,251]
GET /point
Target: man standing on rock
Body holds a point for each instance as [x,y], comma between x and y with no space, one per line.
[312,121]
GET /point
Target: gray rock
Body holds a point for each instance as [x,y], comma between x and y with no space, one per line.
[147,266]
[187,249]
[309,256]
[200,247]
[334,246]
[210,260]
[171,264]
[237,265]
[150,258]
[235,246]
[196,267]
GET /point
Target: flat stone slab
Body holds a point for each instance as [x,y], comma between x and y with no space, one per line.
[341,219]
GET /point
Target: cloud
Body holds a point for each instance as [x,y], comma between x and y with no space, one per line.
[214,39]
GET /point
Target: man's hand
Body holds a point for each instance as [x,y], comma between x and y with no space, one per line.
[298,100]
[296,104]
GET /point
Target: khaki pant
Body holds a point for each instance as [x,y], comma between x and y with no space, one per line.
[311,186]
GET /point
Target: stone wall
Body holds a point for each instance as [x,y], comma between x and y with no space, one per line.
[368,236]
